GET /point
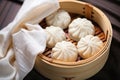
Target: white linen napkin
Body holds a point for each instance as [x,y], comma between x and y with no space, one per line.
[23,39]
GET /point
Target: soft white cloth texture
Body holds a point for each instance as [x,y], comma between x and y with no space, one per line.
[23,39]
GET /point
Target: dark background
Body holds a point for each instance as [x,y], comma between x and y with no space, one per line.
[111,70]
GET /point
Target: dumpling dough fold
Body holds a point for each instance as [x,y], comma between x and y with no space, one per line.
[80,27]
[64,51]
[89,45]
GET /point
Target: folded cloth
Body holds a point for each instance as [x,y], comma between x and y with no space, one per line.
[23,39]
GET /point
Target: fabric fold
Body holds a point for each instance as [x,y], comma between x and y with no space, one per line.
[24,39]
[27,45]
[7,70]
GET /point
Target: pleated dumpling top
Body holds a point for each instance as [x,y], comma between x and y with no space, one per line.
[89,45]
[60,18]
[64,51]
[54,35]
[80,27]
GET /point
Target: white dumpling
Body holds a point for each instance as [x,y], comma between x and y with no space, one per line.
[64,51]
[89,45]
[80,27]
[61,18]
[54,35]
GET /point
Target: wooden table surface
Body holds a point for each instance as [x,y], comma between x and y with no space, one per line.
[111,70]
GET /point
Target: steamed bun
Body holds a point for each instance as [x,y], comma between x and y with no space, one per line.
[89,45]
[79,28]
[64,51]
[54,35]
[61,18]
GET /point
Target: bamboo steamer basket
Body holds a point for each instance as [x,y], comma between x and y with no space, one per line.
[83,69]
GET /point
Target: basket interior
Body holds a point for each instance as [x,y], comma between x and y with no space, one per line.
[81,9]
